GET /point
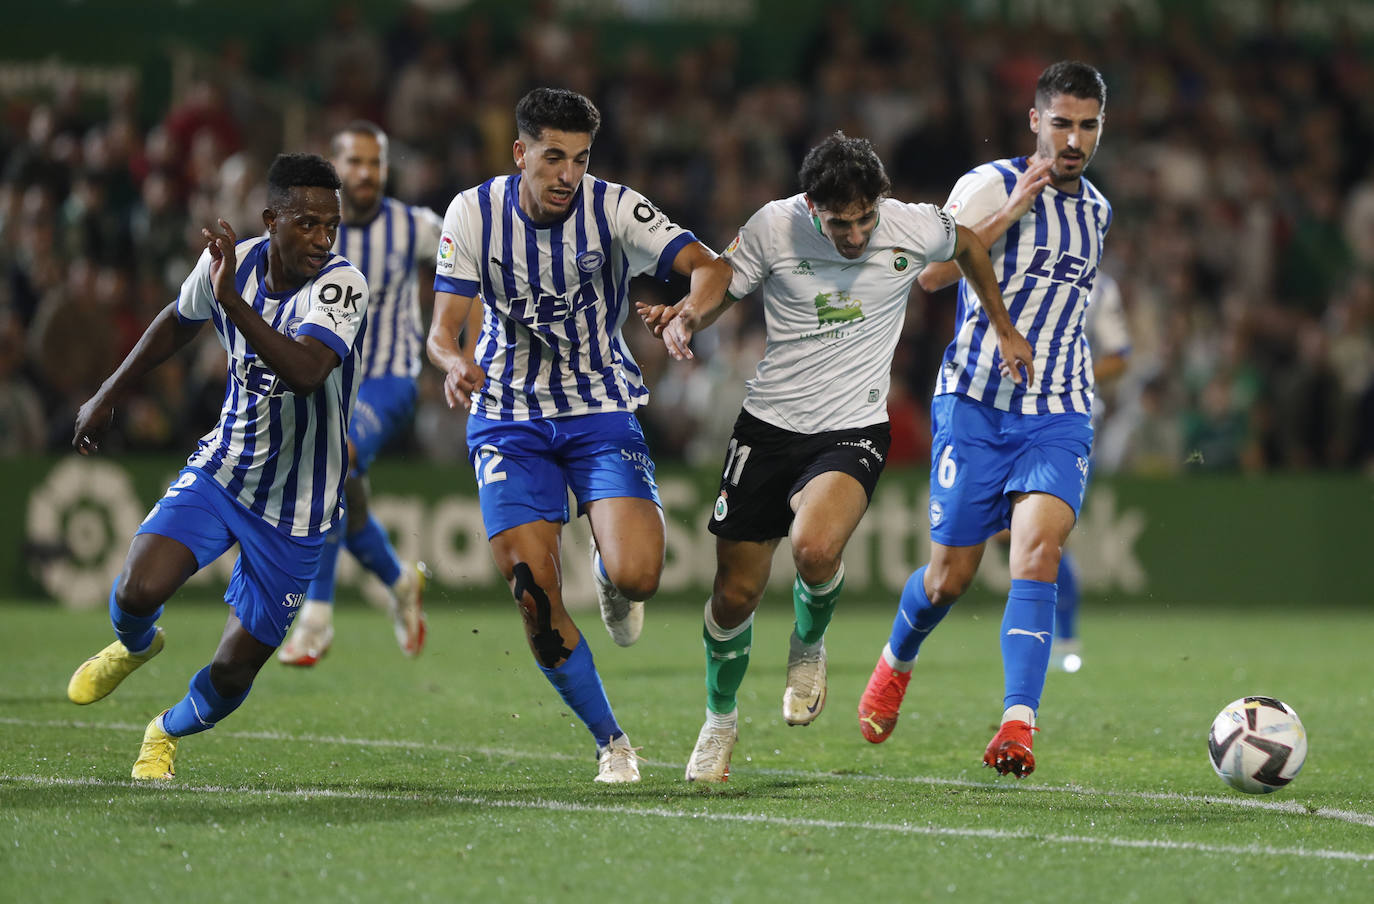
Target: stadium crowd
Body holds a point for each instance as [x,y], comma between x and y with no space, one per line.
[1237,164]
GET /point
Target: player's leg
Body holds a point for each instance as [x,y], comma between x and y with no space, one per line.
[608,468]
[523,494]
[967,506]
[265,591]
[1066,649]
[742,568]
[827,510]
[527,556]
[628,543]
[384,407]
[926,599]
[180,535]
[1047,488]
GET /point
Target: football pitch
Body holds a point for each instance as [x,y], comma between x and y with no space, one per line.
[461,777]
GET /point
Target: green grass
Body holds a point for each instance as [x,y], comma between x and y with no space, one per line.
[461,777]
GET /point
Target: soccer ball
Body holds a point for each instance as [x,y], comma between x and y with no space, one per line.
[1257,744]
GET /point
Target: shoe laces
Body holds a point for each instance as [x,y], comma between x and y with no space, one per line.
[889,692]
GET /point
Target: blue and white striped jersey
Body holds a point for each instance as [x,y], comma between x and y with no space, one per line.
[1045,264]
[283,456]
[554,294]
[387,250]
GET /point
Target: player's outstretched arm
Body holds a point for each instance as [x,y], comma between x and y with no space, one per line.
[705,300]
[995,225]
[162,339]
[303,363]
[971,257]
[449,351]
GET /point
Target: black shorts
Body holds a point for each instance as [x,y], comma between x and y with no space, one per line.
[765,466]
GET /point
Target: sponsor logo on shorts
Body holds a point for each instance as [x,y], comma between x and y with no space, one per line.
[722,508]
[937,513]
[293,600]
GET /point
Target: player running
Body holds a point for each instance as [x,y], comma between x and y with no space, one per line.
[835,265]
[552,388]
[269,476]
[1006,454]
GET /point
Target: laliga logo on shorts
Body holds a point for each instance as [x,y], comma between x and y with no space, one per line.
[722,508]
[590,261]
[937,513]
[293,600]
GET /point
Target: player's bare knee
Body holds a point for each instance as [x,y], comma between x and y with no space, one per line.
[816,562]
[140,593]
[639,584]
[945,588]
[730,608]
[1036,562]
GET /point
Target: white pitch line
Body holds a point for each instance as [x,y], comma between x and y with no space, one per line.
[554,806]
[1294,808]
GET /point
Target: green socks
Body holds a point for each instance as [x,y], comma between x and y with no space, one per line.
[727,659]
[815,605]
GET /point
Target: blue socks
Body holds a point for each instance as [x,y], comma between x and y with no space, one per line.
[322,587]
[916,618]
[1027,629]
[372,547]
[1066,608]
[134,631]
[200,709]
[580,687]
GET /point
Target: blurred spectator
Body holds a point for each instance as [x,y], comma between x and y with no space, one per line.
[1244,211]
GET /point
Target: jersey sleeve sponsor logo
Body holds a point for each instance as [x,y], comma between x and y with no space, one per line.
[590,261]
[448,251]
[733,246]
[947,218]
[340,303]
[952,208]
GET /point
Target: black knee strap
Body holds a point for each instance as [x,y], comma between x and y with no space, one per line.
[548,643]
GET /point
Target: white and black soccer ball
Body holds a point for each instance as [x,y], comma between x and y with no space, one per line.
[1257,744]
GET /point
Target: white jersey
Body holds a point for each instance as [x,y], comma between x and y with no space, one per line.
[387,249]
[832,322]
[1105,324]
[554,294]
[283,456]
[1045,264]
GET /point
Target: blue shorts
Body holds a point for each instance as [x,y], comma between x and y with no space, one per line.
[981,456]
[385,406]
[273,568]
[525,468]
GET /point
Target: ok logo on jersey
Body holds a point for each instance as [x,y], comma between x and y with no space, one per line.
[1066,268]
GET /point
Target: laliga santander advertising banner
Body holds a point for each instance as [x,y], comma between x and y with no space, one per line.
[1202,539]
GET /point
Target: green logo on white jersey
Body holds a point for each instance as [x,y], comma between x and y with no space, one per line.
[837,307]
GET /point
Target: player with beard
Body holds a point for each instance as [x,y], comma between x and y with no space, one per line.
[1005,454]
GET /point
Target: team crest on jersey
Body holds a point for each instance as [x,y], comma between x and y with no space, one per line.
[837,307]
[900,260]
[590,261]
[293,325]
[722,507]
